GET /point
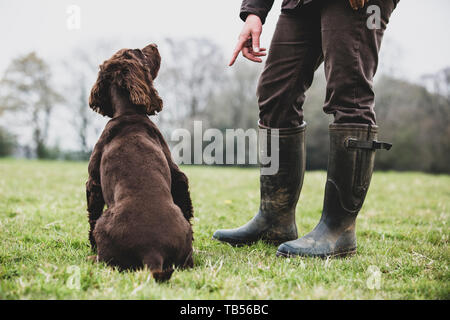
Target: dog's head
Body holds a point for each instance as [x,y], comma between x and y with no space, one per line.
[131,71]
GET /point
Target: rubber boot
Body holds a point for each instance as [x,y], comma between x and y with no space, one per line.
[279,192]
[350,167]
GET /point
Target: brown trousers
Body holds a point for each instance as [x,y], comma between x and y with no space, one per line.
[328,31]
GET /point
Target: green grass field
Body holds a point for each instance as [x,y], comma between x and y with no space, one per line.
[403,233]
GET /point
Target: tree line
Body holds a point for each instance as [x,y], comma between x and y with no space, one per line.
[195,85]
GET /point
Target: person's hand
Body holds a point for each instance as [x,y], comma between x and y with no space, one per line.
[358,4]
[248,41]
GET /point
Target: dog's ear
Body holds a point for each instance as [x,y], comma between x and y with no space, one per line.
[153,59]
[153,62]
[139,83]
[99,99]
[156,103]
[134,75]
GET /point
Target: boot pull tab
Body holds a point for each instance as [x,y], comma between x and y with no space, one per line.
[352,143]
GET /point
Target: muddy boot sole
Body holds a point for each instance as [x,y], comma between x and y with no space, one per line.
[340,254]
[241,243]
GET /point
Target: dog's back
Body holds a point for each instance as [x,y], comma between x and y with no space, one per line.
[142,225]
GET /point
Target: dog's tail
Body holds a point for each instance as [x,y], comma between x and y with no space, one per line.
[161,275]
[155,263]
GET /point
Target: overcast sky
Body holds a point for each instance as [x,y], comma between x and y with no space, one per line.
[416,39]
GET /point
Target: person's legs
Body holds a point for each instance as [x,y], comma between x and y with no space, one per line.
[351,56]
[351,50]
[294,55]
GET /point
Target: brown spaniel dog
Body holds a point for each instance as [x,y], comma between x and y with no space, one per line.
[147,220]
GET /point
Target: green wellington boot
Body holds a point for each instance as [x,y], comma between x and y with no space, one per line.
[275,220]
[350,167]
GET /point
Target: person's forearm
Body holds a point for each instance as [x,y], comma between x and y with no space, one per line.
[257,7]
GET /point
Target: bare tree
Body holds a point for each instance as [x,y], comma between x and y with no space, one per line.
[27,90]
[191,72]
[235,104]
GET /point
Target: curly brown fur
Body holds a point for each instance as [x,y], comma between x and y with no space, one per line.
[147,220]
[133,71]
